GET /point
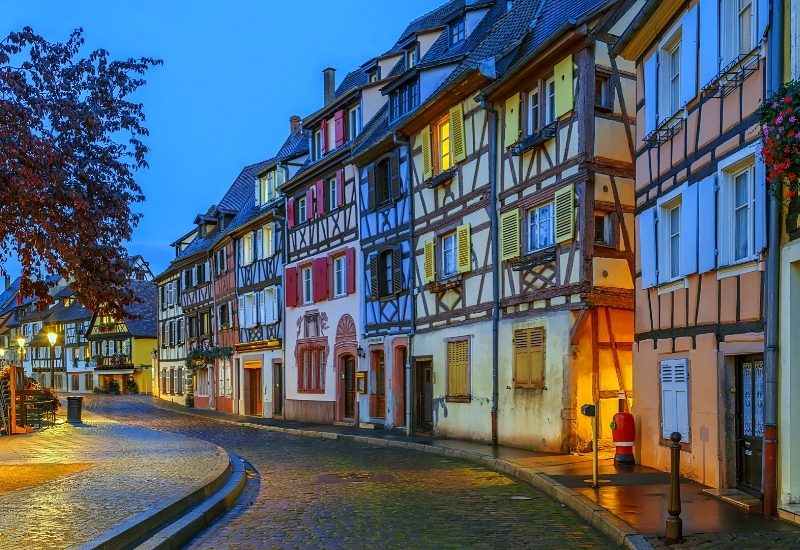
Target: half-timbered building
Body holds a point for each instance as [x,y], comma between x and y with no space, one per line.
[73,319]
[701,220]
[258,235]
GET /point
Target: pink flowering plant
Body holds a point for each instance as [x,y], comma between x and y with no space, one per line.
[779,117]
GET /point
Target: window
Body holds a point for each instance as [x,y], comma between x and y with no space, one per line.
[529,358]
[221,261]
[191,323]
[540,227]
[737,29]
[411,58]
[374,76]
[267,241]
[533,111]
[311,369]
[301,210]
[458,32]
[268,187]
[382,182]
[163,296]
[550,112]
[179,324]
[354,122]
[201,273]
[223,316]
[671,78]
[247,249]
[404,99]
[308,291]
[386,273]
[675,398]
[603,229]
[202,382]
[179,380]
[205,326]
[741,215]
[449,253]
[75,382]
[188,278]
[88,381]
[738,205]
[443,142]
[311,325]
[339,276]
[602,95]
[674,241]
[270,308]
[458,368]
[332,194]
[316,146]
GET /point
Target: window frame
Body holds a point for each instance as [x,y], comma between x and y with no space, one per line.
[729,173]
[550,100]
[383,185]
[354,122]
[385,273]
[534,118]
[302,215]
[731,37]
[316,145]
[439,141]
[311,379]
[445,274]
[267,240]
[339,275]
[534,210]
[458,31]
[331,196]
[307,299]
[669,81]
[449,396]
[247,248]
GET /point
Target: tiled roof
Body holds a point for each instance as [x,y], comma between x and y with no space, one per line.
[147,311]
[8,295]
[73,312]
[374,132]
[432,19]
[354,79]
[242,187]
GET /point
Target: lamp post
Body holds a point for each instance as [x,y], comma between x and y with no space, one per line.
[21,343]
[2,356]
[51,336]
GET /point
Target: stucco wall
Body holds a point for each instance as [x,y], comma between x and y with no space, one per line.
[789,377]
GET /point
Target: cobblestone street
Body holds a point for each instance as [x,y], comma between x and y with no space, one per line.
[315,493]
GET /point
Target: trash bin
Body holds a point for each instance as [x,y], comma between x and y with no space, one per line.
[74,405]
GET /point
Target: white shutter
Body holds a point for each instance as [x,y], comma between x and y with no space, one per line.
[668,414]
[675,398]
[257,191]
[240,311]
[689,56]
[274,236]
[724,225]
[650,94]
[763,19]
[240,246]
[709,40]
[275,304]
[647,247]
[259,245]
[208,271]
[760,202]
[707,225]
[262,306]
[689,230]
[253,309]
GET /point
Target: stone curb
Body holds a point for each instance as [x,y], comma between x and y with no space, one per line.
[129,531]
[615,528]
[178,534]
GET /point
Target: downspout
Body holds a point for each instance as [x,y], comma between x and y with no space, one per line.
[411,285]
[773,265]
[495,259]
[284,261]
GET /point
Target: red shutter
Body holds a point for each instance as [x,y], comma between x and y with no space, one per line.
[320,279]
[339,119]
[321,198]
[339,188]
[290,213]
[350,267]
[291,287]
[323,129]
[309,204]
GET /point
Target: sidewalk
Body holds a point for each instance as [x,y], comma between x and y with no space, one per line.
[65,486]
[630,506]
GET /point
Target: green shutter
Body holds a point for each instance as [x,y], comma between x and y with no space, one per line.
[457,134]
[564,87]
[565,213]
[512,109]
[427,165]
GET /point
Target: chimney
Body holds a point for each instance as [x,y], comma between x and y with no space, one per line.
[330,84]
[8,281]
[294,124]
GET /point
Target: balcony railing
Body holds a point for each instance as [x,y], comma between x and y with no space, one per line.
[45,365]
[113,362]
[109,328]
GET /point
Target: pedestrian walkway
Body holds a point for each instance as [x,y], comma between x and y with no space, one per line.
[637,495]
[69,485]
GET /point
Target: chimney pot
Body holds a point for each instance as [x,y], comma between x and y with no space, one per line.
[7,281]
[329,81]
[294,123]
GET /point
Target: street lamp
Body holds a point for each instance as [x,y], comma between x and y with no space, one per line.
[21,342]
[51,336]
[2,356]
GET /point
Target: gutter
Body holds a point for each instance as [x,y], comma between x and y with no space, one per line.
[636,25]
[411,285]
[495,261]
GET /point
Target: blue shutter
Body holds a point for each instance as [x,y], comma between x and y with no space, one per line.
[668,414]
[707,225]
[760,200]
[647,247]
[689,56]
[650,94]
[709,40]
[689,230]
[763,19]
[680,386]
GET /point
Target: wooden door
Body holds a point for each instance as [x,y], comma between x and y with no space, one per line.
[380,384]
[256,393]
[749,422]
[277,390]
[424,396]
[349,386]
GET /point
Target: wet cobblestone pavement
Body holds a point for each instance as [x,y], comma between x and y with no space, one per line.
[317,493]
[133,469]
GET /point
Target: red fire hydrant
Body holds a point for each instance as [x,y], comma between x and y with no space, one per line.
[623,432]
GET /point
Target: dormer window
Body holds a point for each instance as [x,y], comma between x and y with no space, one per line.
[458,32]
[268,185]
[354,122]
[375,74]
[404,99]
[316,146]
[411,58]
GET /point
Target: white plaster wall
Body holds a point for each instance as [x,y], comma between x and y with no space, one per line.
[789,377]
[426,40]
[371,102]
[473,18]
[430,79]
[388,63]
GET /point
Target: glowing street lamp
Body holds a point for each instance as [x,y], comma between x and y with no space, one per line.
[51,336]
[21,343]
[2,356]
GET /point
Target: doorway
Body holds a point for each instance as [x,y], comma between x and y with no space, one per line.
[379,366]
[277,390]
[349,387]
[424,392]
[749,422]
[255,406]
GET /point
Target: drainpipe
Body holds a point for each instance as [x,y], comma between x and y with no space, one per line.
[775,68]
[411,285]
[495,259]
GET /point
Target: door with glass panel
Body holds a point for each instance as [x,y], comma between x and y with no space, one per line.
[749,422]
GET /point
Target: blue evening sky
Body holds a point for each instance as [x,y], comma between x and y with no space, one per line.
[234,72]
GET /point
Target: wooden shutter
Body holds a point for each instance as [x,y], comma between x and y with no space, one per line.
[529,358]
[565,213]
[430,261]
[350,268]
[259,254]
[290,213]
[458,138]
[323,131]
[674,398]
[647,247]
[276,304]
[464,244]
[760,199]
[689,230]
[427,158]
[689,55]
[320,185]
[762,21]
[290,287]
[373,275]
[512,130]
[263,307]
[320,279]
[309,204]
[397,267]
[338,122]
[509,235]
[458,368]
[395,175]
[253,320]
[707,225]
[371,187]
[257,191]
[240,311]
[650,94]
[339,188]
[709,41]
[564,86]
